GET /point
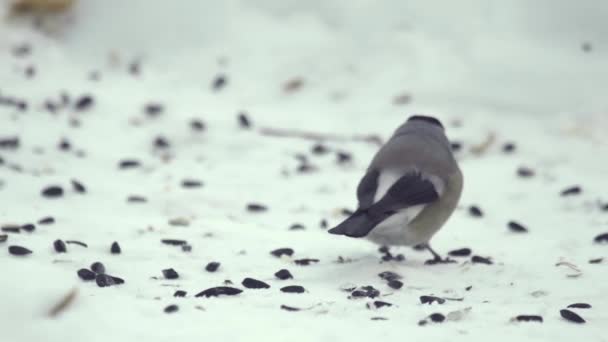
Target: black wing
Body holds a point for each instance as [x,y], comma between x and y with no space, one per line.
[366,191]
[407,191]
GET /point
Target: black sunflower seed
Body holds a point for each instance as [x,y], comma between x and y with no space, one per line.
[86,274]
[212,266]
[11,229]
[602,238]
[104,280]
[3,237]
[60,246]
[579,306]
[219,82]
[573,190]
[475,211]
[83,103]
[395,284]
[380,304]
[170,274]
[128,164]
[517,227]
[197,125]
[525,172]
[256,207]
[174,242]
[191,183]
[571,316]
[431,300]
[219,291]
[78,187]
[319,149]
[161,142]
[283,274]
[18,250]
[171,308]
[529,318]
[476,259]
[46,220]
[343,157]
[136,199]
[293,289]
[179,293]
[282,251]
[251,283]
[437,317]
[306,261]
[153,109]
[52,191]
[244,121]
[115,248]
[98,267]
[75,242]
[28,227]
[460,252]
[508,147]
[289,308]
[388,276]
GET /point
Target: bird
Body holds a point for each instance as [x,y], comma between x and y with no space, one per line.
[410,188]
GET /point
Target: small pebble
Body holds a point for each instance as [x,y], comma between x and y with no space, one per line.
[293,289]
[244,121]
[18,250]
[282,251]
[571,316]
[52,192]
[437,317]
[431,300]
[219,82]
[395,284]
[579,306]
[529,318]
[115,248]
[197,125]
[573,190]
[60,246]
[212,266]
[256,207]
[475,211]
[174,242]
[153,109]
[283,274]
[46,220]
[79,243]
[516,227]
[28,227]
[389,275]
[251,283]
[83,103]
[171,309]
[179,293]
[128,164]
[462,252]
[78,187]
[104,280]
[289,308]
[305,262]
[191,183]
[86,274]
[476,259]
[525,172]
[602,238]
[508,147]
[98,267]
[170,274]
[219,291]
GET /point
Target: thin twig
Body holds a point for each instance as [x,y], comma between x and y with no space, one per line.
[481,148]
[292,133]
[64,303]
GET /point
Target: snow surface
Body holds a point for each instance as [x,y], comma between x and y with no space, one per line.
[512,68]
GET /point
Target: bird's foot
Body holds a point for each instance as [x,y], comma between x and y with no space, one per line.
[387,256]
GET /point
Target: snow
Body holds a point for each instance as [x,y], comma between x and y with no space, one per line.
[515,69]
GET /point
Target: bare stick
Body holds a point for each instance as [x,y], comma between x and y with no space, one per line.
[291,133]
[63,303]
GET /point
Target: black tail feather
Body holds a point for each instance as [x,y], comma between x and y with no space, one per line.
[357,225]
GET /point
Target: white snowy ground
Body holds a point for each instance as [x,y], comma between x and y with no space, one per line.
[515,69]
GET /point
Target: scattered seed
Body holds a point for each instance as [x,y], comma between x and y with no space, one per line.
[282,251]
[289,308]
[297,226]
[191,183]
[171,308]
[456,146]
[179,293]
[571,316]
[596,261]
[11,229]
[508,147]
[468,288]
[3,237]
[580,306]
[128,164]
[293,289]
[437,317]
[219,291]
[323,224]
[197,125]
[52,192]
[86,274]
[46,220]
[256,207]
[212,266]
[389,275]
[104,280]
[78,187]
[28,227]
[161,142]
[186,248]
[173,242]
[115,248]
[64,145]
[476,259]
[170,274]
[305,262]
[602,238]
[573,190]
[460,252]
[219,82]
[343,157]
[395,284]
[517,227]
[283,274]
[380,304]
[74,242]
[98,267]
[9,143]
[64,303]
[431,300]
[365,291]
[83,103]
[60,246]
[244,121]
[475,211]
[136,199]
[525,172]
[18,250]
[117,280]
[319,149]
[251,283]
[153,109]
[179,222]
[529,318]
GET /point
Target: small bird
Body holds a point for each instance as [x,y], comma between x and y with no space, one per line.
[409,190]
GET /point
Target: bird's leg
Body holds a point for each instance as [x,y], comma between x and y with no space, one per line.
[437,259]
